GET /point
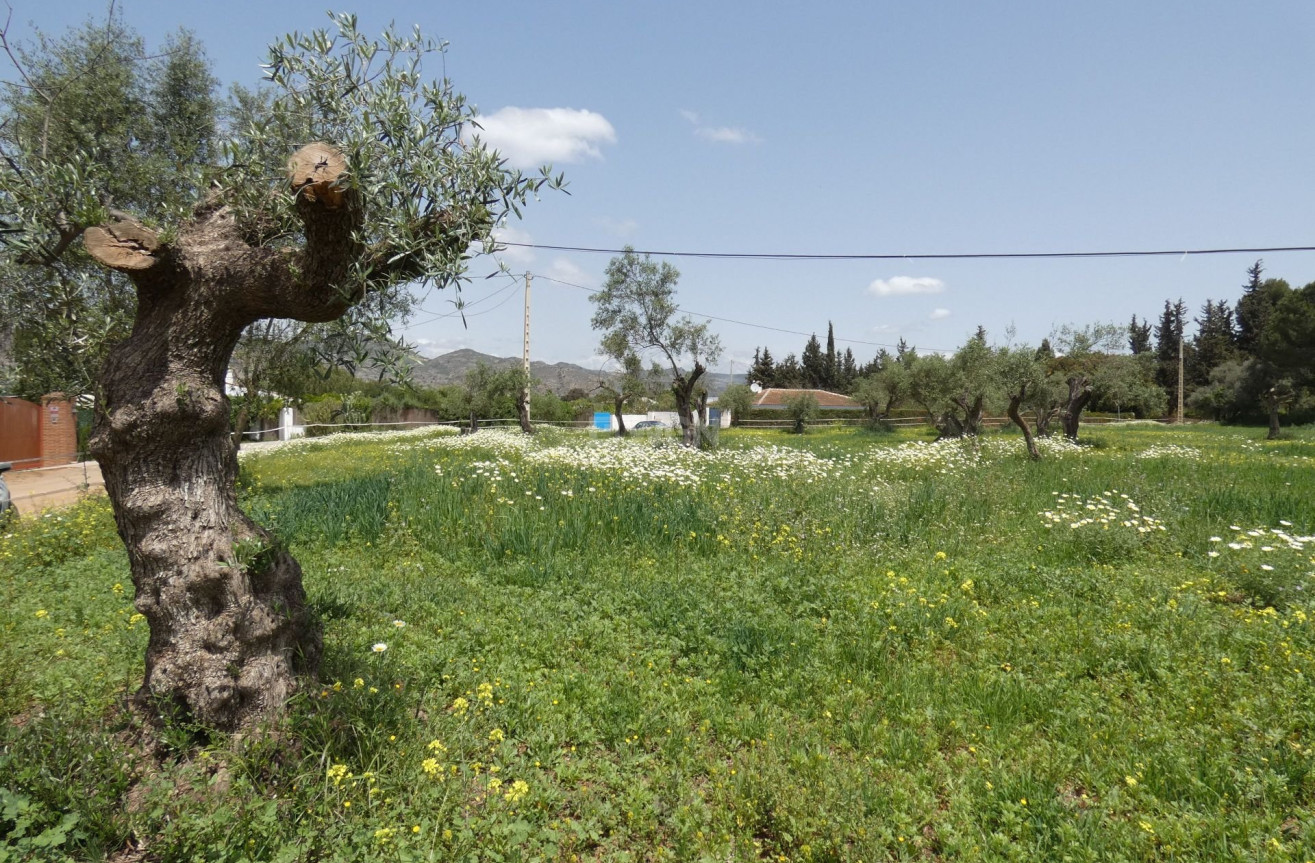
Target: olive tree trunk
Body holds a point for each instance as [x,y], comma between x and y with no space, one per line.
[523,411]
[619,407]
[1079,394]
[229,626]
[1044,416]
[1016,399]
[682,386]
[1272,403]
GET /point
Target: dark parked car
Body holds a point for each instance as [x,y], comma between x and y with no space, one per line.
[644,425]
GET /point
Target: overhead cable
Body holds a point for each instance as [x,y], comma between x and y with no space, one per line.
[925,256]
[732,320]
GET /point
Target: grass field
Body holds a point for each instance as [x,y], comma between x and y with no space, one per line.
[841,646]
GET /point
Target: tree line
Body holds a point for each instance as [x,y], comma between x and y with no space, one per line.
[813,369]
[1248,360]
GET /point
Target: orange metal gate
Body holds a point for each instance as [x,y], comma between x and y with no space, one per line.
[20,433]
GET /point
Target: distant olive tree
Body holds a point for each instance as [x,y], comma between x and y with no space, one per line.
[1021,374]
[738,399]
[802,408]
[882,390]
[636,313]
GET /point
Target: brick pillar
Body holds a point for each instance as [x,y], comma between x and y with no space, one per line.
[59,430]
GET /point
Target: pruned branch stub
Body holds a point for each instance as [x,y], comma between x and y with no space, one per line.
[123,244]
[314,171]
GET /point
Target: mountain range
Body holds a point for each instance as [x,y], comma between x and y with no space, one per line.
[560,378]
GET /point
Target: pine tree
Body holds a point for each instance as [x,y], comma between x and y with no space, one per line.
[1168,338]
[1249,312]
[848,371]
[1139,336]
[788,373]
[813,364]
[1215,342]
[875,364]
[831,378]
[1255,306]
[763,370]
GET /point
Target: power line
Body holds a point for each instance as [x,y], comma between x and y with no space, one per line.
[929,256]
[436,316]
[740,323]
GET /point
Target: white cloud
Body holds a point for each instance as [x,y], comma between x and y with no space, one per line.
[727,135]
[939,314]
[529,137]
[720,134]
[906,285]
[430,348]
[600,362]
[566,270]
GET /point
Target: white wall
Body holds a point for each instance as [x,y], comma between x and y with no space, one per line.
[672,419]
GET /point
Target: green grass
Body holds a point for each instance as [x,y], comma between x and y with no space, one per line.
[837,646]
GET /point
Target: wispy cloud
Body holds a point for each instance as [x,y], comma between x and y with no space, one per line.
[900,285]
[939,314]
[618,227]
[566,270]
[529,137]
[720,134]
[728,135]
[430,348]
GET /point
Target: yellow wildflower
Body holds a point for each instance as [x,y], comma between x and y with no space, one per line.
[517,791]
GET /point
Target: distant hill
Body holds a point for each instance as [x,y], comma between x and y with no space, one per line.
[560,378]
[451,368]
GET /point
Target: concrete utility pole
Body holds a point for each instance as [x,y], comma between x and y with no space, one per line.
[1180,379]
[525,352]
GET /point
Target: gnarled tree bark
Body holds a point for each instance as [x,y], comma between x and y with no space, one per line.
[523,410]
[619,399]
[682,386]
[229,626]
[1079,394]
[1016,399]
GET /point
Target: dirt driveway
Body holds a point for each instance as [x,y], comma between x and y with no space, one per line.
[47,487]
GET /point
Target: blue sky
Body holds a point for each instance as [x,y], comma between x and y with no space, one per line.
[858,128]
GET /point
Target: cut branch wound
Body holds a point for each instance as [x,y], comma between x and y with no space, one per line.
[315,172]
[123,244]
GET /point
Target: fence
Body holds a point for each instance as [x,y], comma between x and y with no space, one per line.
[910,422]
[255,435]
[897,422]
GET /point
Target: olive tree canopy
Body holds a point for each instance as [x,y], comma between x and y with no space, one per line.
[636,313]
[361,179]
